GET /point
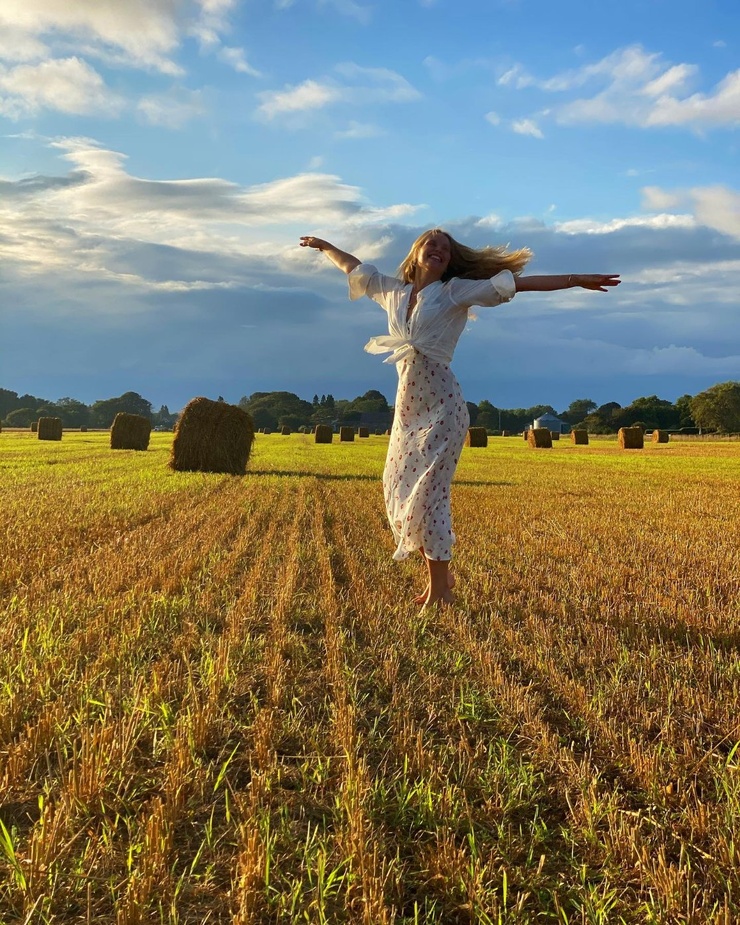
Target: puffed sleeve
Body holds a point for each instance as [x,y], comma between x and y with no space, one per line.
[366,280]
[487,292]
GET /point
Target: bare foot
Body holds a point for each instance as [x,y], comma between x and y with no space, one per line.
[424,598]
[439,600]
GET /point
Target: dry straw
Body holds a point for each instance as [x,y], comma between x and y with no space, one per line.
[323,433]
[50,428]
[285,430]
[477,436]
[505,433]
[631,438]
[540,438]
[363,431]
[212,436]
[34,427]
[130,432]
[579,437]
[555,434]
[660,436]
[346,434]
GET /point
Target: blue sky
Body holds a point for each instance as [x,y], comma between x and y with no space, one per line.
[160,158]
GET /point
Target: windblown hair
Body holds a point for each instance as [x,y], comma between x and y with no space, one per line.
[467,262]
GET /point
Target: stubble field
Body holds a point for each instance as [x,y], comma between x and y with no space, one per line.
[218,702]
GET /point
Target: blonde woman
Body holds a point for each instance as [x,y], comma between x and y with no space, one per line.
[427,306]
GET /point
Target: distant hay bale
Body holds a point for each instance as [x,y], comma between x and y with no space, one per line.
[323,433]
[363,431]
[505,433]
[266,430]
[660,436]
[525,434]
[540,438]
[579,437]
[477,436]
[83,430]
[49,428]
[212,436]
[346,434]
[285,430]
[34,427]
[631,438]
[130,432]
[555,434]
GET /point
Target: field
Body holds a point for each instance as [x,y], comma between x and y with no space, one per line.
[218,703]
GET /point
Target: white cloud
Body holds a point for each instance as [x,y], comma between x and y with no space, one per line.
[527,127]
[716,207]
[235,57]
[493,117]
[353,85]
[68,85]
[637,88]
[171,110]
[360,130]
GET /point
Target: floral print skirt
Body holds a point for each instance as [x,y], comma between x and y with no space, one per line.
[429,428]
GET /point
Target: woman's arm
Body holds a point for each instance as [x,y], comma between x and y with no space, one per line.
[345,262]
[552,283]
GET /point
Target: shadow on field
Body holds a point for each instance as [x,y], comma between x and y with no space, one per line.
[331,477]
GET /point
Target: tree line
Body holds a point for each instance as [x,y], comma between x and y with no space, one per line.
[716,409]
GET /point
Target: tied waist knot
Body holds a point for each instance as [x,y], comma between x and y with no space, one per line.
[402,347]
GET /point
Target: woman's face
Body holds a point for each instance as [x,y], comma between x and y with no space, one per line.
[434,254]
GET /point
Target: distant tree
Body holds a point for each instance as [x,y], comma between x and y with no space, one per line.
[651,411]
[269,408]
[472,411]
[22,417]
[72,412]
[164,417]
[316,401]
[718,408]
[604,419]
[577,410]
[488,415]
[370,402]
[8,403]
[329,403]
[683,406]
[103,412]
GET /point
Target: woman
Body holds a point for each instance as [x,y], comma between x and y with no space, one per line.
[427,308]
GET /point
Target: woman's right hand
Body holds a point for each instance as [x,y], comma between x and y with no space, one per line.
[318,243]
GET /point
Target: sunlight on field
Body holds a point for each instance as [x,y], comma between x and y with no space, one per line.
[219,704]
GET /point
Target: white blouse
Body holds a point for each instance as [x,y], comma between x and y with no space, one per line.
[439,316]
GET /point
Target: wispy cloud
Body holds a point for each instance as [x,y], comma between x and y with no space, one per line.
[716,207]
[68,85]
[526,127]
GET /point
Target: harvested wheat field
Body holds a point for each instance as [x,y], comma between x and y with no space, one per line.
[218,703]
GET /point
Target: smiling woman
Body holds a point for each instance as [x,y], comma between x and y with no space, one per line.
[440,280]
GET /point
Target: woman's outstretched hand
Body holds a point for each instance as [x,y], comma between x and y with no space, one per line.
[318,243]
[596,281]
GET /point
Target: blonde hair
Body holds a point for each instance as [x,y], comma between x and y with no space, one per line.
[467,262]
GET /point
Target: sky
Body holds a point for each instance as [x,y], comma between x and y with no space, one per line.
[159,160]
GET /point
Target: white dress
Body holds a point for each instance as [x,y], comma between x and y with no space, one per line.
[431,418]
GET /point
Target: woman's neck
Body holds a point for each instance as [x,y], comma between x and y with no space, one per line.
[423,277]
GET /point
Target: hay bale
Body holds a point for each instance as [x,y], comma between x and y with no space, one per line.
[49,428]
[631,438]
[540,438]
[130,432]
[555,434]
[266,430]
[346,434]
[83,430]
[660,436]
[505,433]
[285,430]
[477,436]
[579,437]
[323,433]
[363,431]
[212,436]
[34,427]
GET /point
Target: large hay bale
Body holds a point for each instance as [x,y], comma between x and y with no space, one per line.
[285,430]
[346,434]
[212,436]
[579,437]
[49,429]
[555,434]
[660,436]
[323,433]
[540,438]
[477,436]
[363,431]
[631,438]
[130,432]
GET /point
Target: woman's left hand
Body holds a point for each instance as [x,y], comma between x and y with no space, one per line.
[596,281]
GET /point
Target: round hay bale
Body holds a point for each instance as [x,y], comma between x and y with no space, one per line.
[83,430]
[579,437]
[34,427]
[285,430]
[363,431]
[130,432]
[49,429]
[555,434]
[266,430]
[540,438]
[631,438]
[323,433]
[505,433]
[212,436]
[660,436]
[477,436]
[346,434]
